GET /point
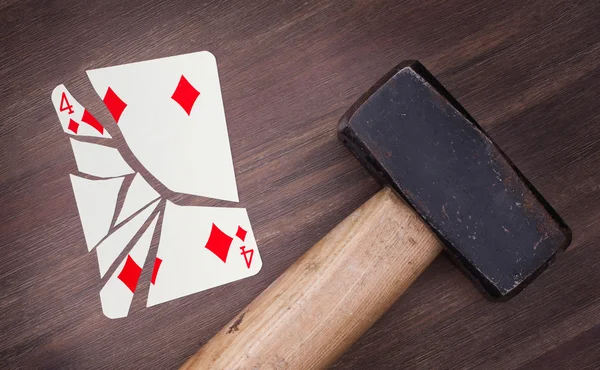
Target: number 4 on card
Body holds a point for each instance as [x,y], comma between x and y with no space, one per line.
[247,258]
[64,104]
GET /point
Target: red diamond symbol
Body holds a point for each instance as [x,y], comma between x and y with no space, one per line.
[157,263]
[130,274]
[115,105]
[241,233]
[185,95]
[73,126]
[219,243]
[92,121]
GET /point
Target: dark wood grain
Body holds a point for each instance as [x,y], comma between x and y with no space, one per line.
[527,71]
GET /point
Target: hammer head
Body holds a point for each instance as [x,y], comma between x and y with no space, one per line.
[415,137]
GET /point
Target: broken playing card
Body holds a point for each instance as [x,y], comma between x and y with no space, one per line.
[75,119]
[228,251]
[171,115]
[173,104]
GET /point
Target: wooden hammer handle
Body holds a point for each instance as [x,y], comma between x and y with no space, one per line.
[326,300]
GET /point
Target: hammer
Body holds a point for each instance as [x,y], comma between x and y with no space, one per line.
[446,186]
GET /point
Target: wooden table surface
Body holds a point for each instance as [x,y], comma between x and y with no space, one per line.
[528,71]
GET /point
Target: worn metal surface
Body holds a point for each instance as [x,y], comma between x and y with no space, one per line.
[411,133]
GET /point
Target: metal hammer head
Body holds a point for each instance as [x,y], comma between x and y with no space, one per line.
[415,137]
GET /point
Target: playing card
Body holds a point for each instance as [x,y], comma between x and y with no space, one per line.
[99,160]
[171,115]
[96,201]
[139,194]
[201,248]
[110,248]
[117,293]
[170,112]
[74,118]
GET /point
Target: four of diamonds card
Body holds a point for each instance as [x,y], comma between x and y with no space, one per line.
[170,113]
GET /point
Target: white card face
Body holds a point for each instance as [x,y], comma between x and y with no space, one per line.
[96,201]
[117,293]
[74,118]
[115,243]
[139,194]
[194,256]
[99,160]
[171,114]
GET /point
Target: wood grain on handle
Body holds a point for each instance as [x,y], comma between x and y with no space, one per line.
[326,300]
